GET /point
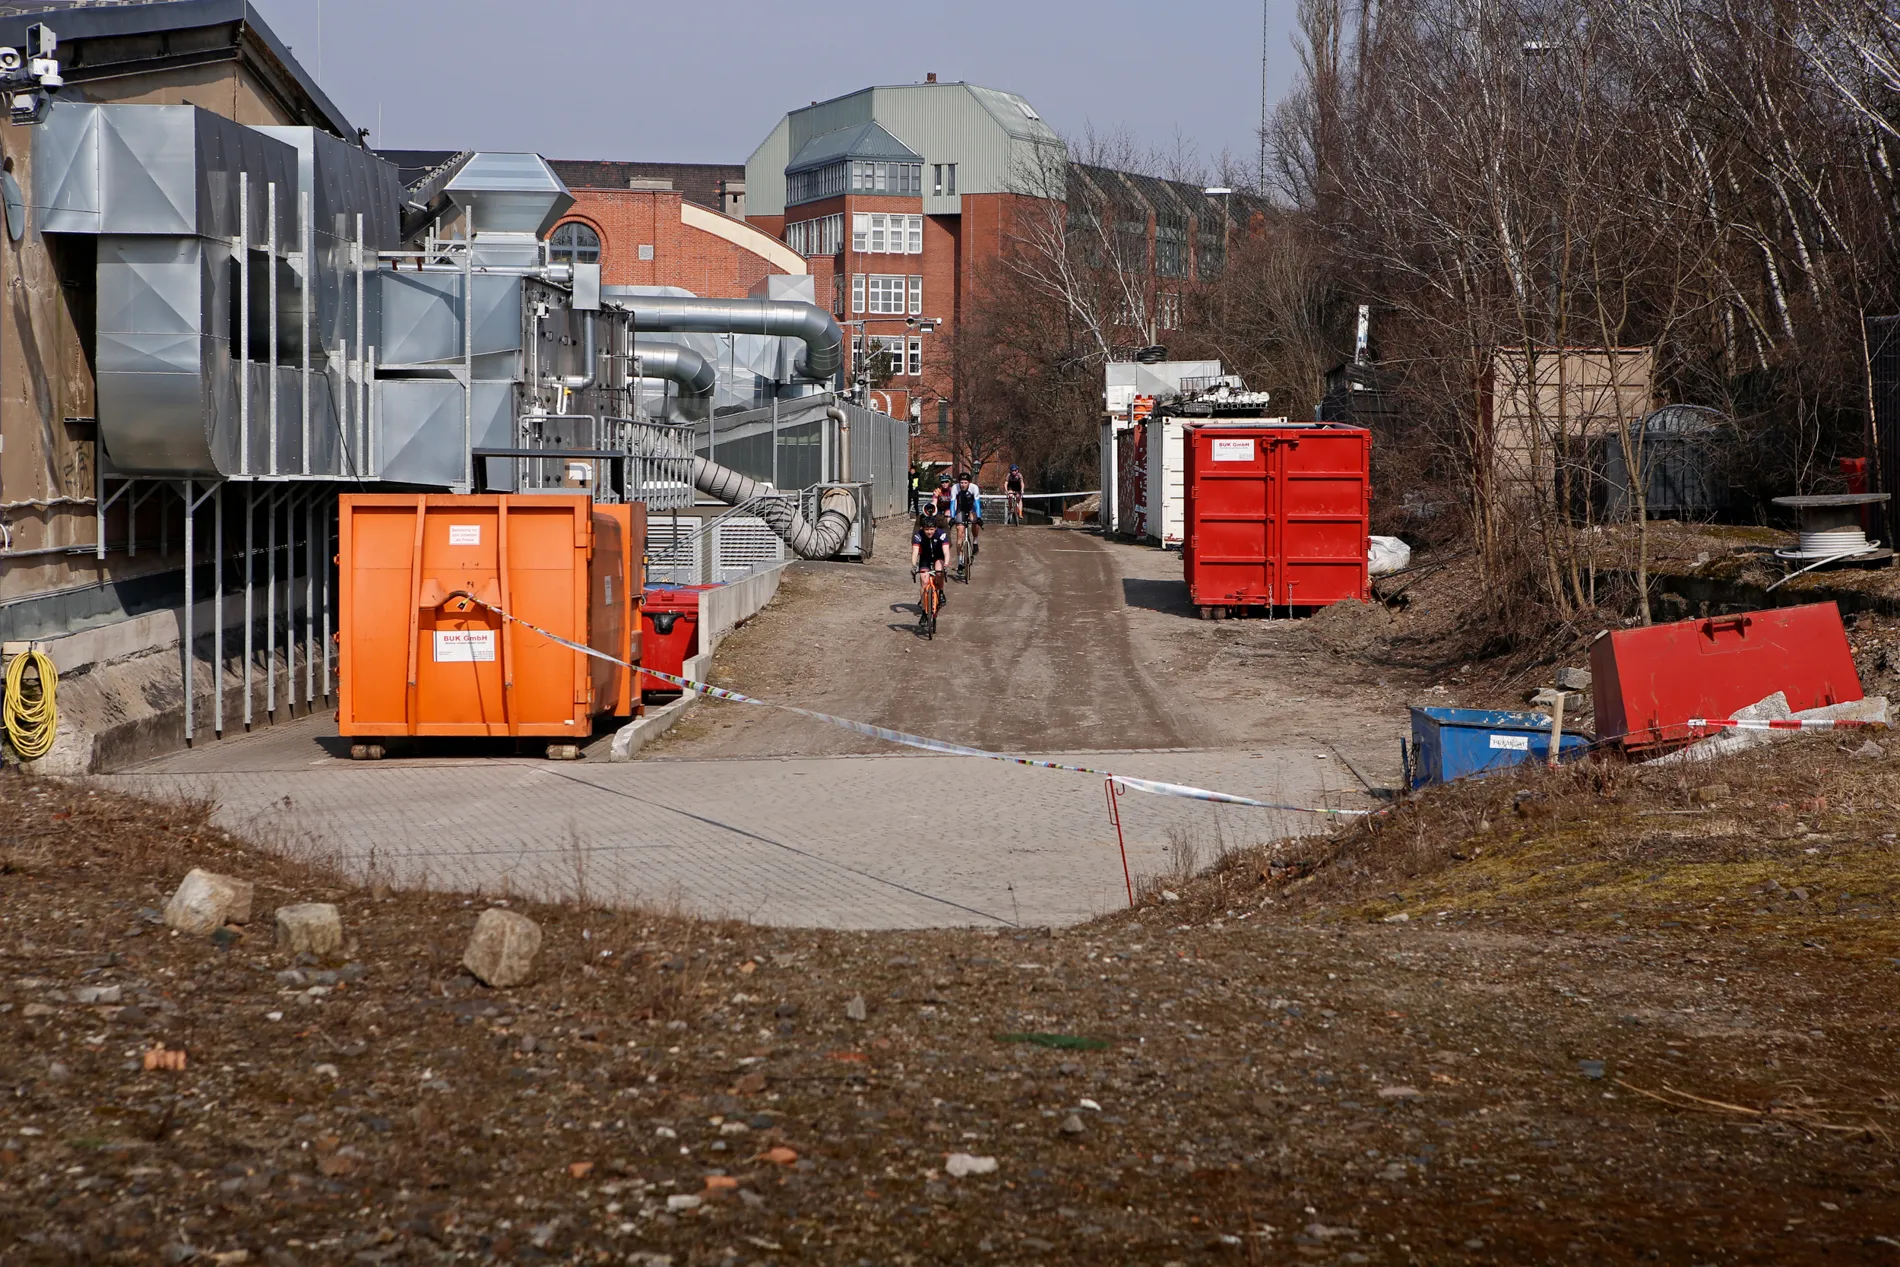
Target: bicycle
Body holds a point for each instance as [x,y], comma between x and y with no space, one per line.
[965,559]
[1013,510]
[929,601]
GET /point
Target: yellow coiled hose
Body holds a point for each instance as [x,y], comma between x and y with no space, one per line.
[31,714]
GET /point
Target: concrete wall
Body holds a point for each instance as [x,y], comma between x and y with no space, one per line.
[724,609]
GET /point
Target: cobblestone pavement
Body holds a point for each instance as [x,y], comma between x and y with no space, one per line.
[849,841]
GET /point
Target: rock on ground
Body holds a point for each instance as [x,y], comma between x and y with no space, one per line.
[309,928]
[206,902]
[502,948]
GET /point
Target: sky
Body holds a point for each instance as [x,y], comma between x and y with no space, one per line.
[705,81]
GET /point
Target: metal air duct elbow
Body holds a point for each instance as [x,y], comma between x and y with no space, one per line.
[816,328]
[676,363]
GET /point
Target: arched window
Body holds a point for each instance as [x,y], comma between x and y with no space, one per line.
[574,243]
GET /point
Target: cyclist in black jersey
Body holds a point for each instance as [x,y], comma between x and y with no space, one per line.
[1013,490]
[929,551]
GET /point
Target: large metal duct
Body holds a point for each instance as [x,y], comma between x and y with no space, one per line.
[822,336]
[200,224]
[695,374]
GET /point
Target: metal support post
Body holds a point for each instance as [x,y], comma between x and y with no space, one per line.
[189,489]
[185,643]
[250,589]
[270,201]
[346,425]
[270,604]
[217,608]
[325,554]
[362,426]
[310,599]
[468,364]
[244,324]
[303,313]
[775,443]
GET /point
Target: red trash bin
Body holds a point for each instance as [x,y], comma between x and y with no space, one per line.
[670,621]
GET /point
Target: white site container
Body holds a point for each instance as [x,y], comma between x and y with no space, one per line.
[1163,509]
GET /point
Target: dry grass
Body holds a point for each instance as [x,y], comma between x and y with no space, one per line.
[1796,840]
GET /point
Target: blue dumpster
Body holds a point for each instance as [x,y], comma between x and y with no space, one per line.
[1456,743]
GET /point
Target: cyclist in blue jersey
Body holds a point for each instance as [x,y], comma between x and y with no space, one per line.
[966,510]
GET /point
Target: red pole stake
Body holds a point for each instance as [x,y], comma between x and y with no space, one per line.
[1115,817]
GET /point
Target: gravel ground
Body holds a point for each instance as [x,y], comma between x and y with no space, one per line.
[1272,1068]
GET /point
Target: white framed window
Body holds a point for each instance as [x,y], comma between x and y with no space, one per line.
[887,234]
[916,356]
[1168,310]
[887,293]
[857,293]
[916,296]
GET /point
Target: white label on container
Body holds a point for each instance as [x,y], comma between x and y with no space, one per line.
[607,583]
[1512,743]
[1233,450]
[464,646]
[465,534]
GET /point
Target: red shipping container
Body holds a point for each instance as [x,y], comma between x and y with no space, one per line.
[670,634]
[1648,683]
[1276,514]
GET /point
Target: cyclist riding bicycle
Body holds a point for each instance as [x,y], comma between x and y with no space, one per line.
[966,511]
[1013,486]
[929,551]
[941,501]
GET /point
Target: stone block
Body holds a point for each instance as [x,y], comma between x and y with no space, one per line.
[309,928]
[502,949]
[206,902]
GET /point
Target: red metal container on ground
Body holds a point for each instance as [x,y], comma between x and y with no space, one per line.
[1276,514]
[670,633]
[1648,683]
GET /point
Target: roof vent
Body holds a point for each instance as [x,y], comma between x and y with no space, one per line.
[930,77]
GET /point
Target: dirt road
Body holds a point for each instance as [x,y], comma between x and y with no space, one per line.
[1061,642]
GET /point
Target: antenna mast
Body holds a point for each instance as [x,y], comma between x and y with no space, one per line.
[1266,8]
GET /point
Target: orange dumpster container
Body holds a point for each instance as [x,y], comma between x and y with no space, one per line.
[418,657]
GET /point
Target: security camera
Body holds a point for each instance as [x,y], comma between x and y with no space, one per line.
[27,107]
[40,40]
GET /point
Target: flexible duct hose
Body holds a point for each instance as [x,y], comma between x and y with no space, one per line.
[31,717]
[837,510]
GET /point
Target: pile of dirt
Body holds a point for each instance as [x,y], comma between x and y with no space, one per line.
[1230,1076]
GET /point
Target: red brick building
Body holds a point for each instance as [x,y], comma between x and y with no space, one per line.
[900,197]
[645,231]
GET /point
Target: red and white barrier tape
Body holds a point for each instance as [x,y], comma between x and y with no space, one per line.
[1782,723]
[939,746]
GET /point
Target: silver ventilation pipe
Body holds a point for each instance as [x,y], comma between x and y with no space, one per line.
[819,330]
[844,442]
[672,361]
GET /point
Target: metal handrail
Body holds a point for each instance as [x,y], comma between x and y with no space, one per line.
[689,546]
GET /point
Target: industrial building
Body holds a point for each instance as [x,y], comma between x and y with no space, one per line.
[230,311]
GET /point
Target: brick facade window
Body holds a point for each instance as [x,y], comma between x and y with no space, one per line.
[887,293]
[887,235]
[574,243]
[822,236]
